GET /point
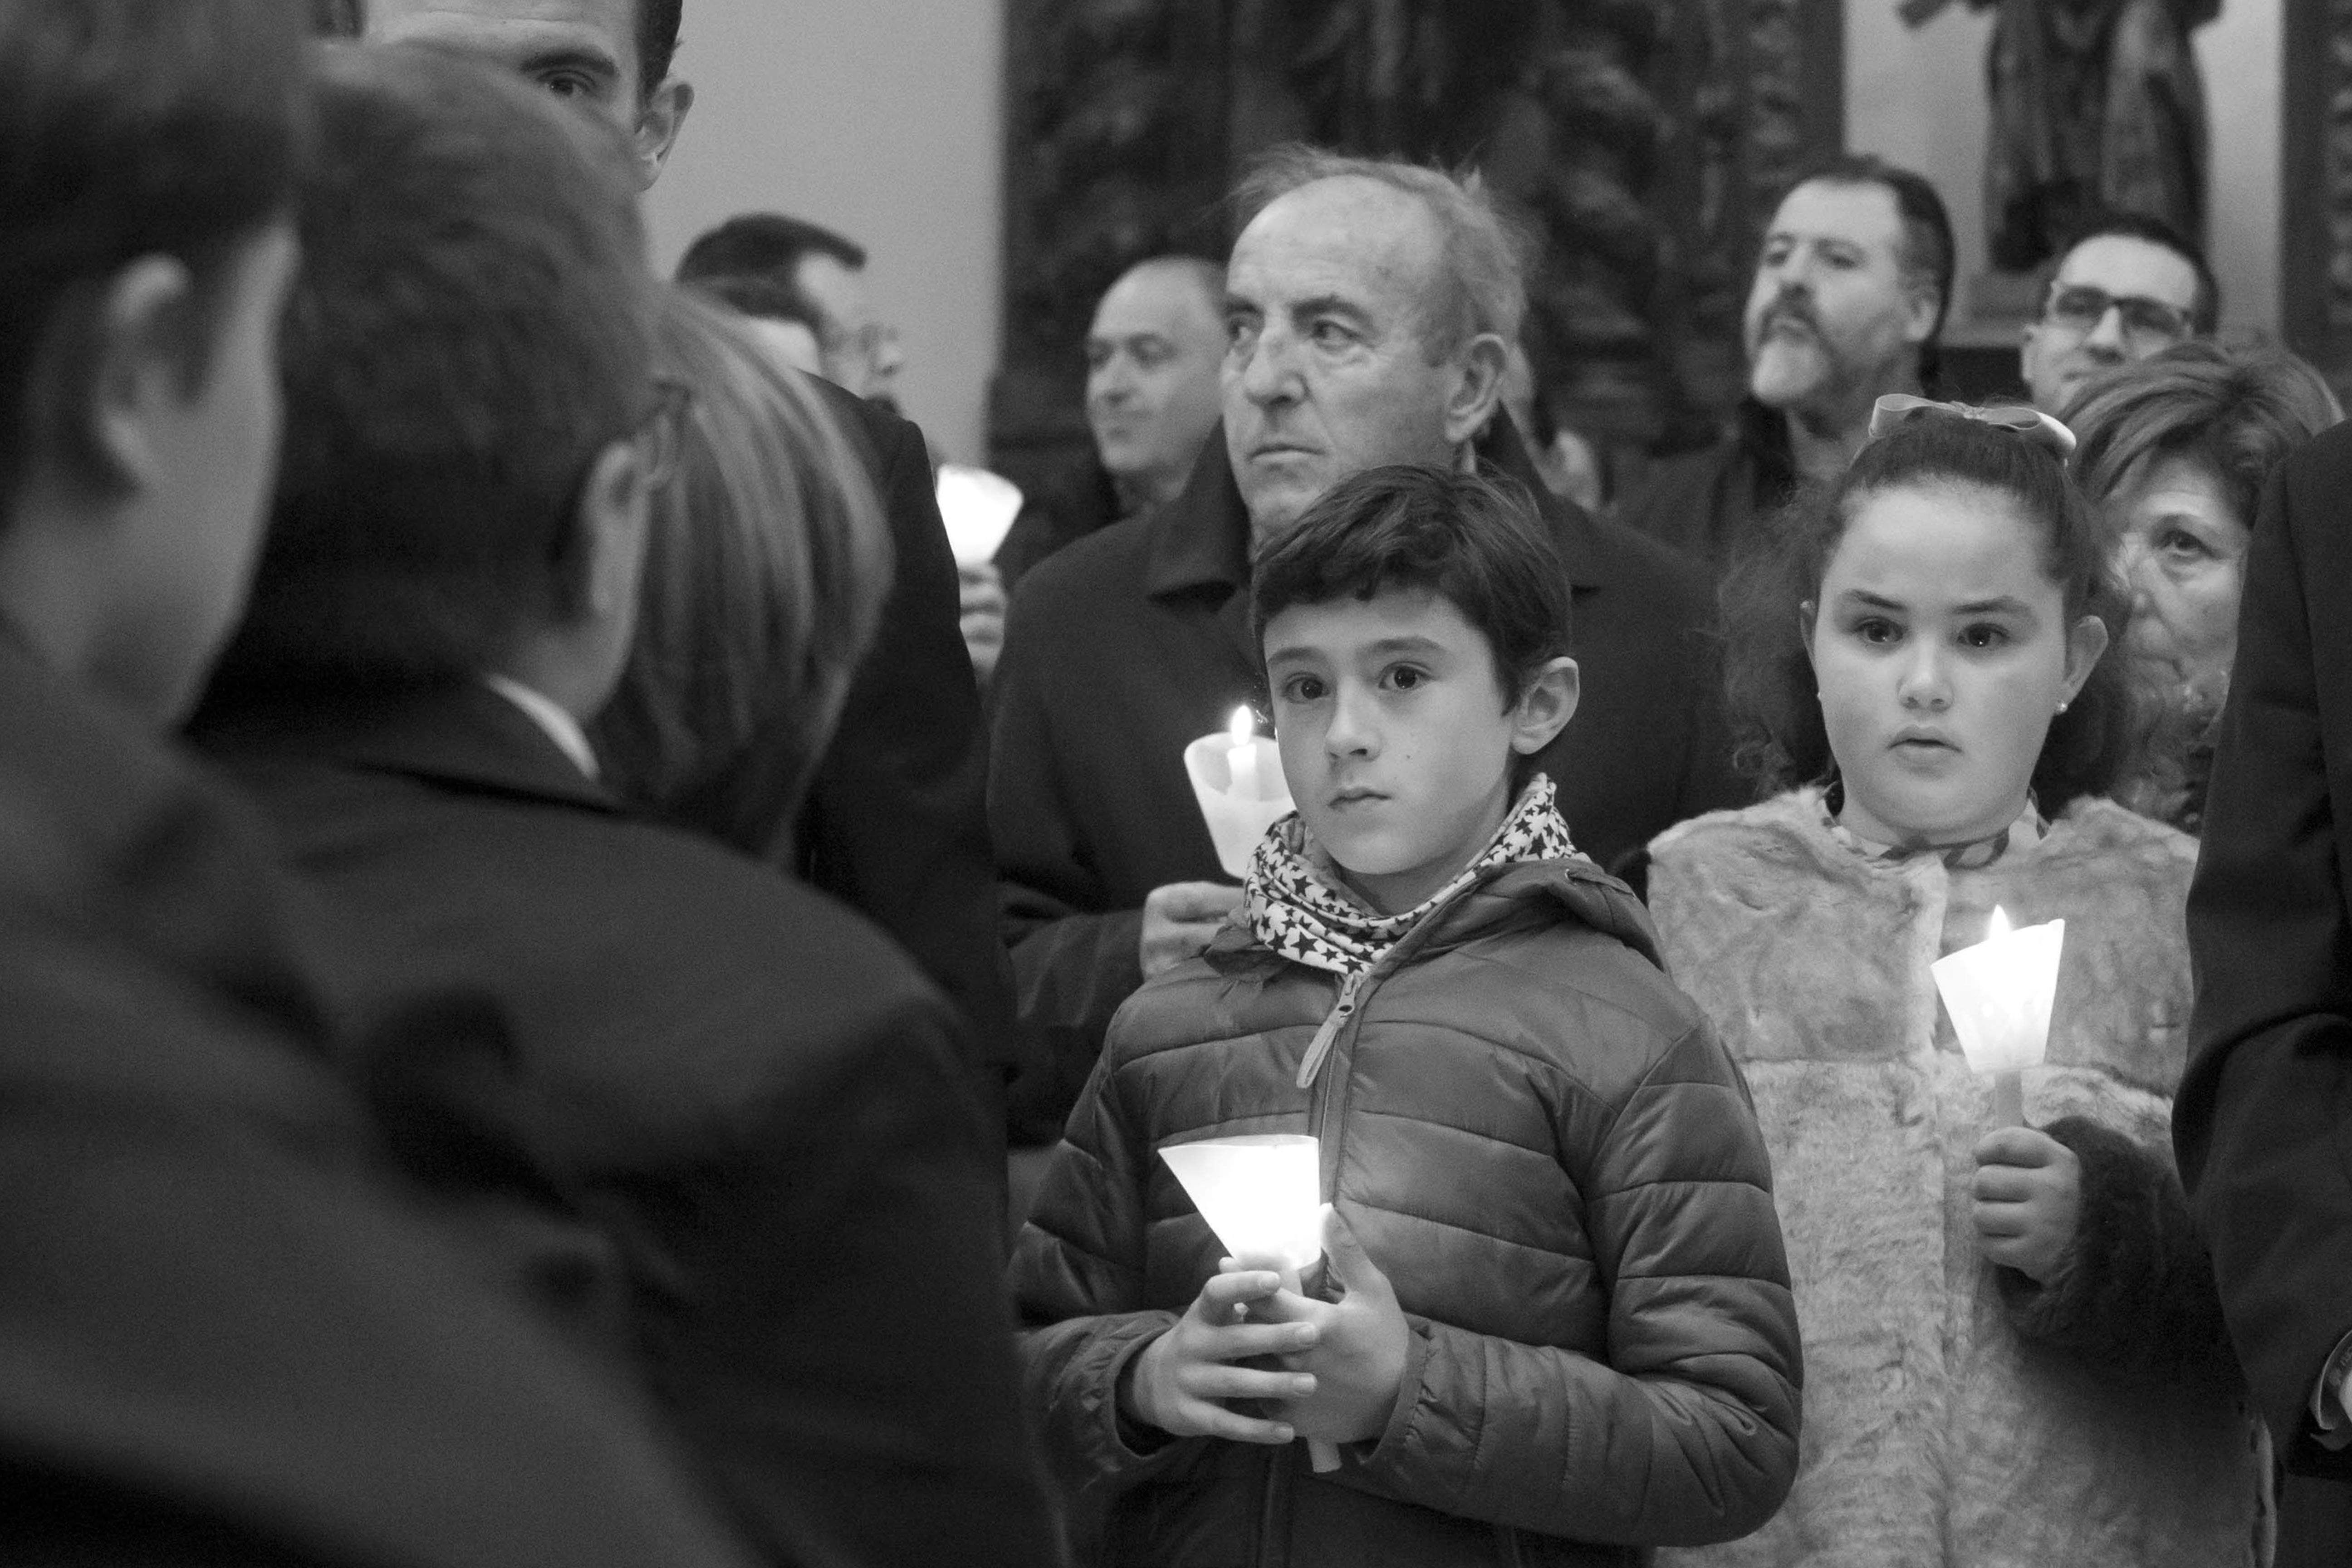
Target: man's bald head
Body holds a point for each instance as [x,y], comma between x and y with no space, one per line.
[1152,359]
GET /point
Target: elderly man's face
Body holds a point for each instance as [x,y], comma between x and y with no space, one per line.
[1830,320]
[583,51]
[1327,370]
[1153,357]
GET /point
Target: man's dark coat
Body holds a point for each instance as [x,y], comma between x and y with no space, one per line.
[1707,502]
[2263,1121]
[226,1336]
[897,821]
[1135,640]
[755,1095]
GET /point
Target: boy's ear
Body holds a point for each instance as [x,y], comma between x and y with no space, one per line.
[615,522]
[133,349]
[1546,706]
[1808,613]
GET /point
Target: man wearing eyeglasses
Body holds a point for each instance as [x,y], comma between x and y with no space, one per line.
[2130,286]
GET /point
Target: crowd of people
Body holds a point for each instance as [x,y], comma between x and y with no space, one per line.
[551,931]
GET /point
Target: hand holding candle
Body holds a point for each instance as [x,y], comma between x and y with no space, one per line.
[1999,994]
[1237,778]
[1262,1194]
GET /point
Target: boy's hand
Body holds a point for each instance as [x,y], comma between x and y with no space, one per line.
[1358,1355]
[2029,1199]
[1179,919]
[1176,1382]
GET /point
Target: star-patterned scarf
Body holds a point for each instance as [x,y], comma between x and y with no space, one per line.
[1298,906]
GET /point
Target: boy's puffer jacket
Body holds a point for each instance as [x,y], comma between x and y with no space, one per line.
[1539,1141]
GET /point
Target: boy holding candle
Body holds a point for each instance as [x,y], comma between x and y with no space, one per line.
[1553,1324]
[2013,1347]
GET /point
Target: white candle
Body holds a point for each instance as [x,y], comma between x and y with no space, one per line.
[1999,994]
[1242,758]
[1262,1193]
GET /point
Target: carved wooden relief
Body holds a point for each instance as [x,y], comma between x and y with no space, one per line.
[2315,242]
[1644,139]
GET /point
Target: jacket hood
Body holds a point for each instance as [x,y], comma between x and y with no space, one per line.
[1529,891]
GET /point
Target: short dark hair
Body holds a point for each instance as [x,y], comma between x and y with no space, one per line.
[2205,307]
[1474,542]
[762,298]
[657,24]
[1774,700]
[468,333]
[128,128]
[763,245]
[1928,251]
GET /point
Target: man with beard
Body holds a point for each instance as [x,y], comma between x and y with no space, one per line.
[1850,294]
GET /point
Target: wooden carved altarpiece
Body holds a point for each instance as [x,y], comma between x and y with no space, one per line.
[2316,238]
[1644,139]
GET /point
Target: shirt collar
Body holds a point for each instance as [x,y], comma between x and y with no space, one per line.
[559,726]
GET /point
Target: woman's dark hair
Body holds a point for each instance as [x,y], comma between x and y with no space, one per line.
[1474,542]
[1775,703]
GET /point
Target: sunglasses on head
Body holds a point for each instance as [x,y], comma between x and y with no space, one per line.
[2031,424]
[2149,324]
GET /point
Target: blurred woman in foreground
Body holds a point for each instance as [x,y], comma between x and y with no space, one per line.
[763,584]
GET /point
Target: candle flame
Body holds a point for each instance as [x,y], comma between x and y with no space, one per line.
[1997,927]
[1244,727]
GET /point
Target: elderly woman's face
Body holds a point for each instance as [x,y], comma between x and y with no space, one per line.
[2182,553]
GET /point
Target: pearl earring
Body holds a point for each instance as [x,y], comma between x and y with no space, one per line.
[2062,706]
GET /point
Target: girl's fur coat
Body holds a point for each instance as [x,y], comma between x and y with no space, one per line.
[1955,1413]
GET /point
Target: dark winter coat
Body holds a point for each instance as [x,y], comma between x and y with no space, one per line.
[1539,1141]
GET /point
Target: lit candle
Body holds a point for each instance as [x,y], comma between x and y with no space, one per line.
[1242,758]
[1262,1193]
[1998,994]
[1237,778]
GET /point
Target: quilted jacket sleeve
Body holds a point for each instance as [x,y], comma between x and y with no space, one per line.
[1689,1433]
[1078,1283]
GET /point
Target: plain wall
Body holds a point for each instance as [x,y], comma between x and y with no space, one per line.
[1917,97]
[881,119]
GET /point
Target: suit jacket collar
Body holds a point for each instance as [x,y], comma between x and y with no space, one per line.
[465,735]
[1200,543]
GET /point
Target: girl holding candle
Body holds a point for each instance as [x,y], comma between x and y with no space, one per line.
[2012,1349]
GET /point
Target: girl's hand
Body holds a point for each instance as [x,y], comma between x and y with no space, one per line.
[2029,1198]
